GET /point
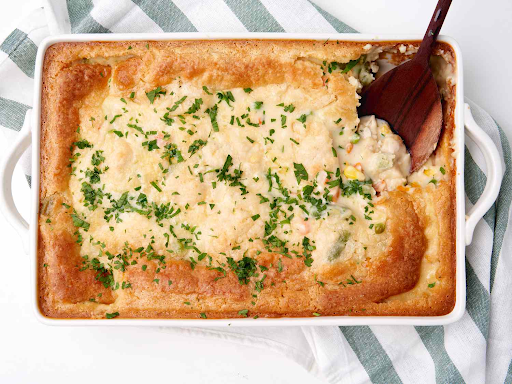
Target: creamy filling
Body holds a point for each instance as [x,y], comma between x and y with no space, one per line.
[372,152]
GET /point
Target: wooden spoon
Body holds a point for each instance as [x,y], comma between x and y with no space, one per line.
[408,99]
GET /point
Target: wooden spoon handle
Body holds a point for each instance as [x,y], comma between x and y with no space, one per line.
[433,30]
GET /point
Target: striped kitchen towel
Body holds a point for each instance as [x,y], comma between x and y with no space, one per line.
[476,349]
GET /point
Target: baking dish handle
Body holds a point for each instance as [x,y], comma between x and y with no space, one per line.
[7,166]
[494,173]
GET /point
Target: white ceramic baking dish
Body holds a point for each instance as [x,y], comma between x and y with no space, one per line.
[30,134]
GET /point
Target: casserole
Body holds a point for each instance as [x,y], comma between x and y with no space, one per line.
[486,200]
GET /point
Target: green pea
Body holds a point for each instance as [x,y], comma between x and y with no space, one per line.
[379,228]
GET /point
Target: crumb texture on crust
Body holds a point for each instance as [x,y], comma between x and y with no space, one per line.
[220,179]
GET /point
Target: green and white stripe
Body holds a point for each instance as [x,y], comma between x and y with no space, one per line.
[476,349]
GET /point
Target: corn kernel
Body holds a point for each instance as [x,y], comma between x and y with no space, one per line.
[429,172]
[385,129]
[352,173]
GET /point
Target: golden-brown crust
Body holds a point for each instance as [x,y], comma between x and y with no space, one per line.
[73,78]
[60,279]
[127,73]
[61,101]
[200,280]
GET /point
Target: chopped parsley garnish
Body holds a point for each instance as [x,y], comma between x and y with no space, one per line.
[172,152]
[167,119]
[258,104]
[196,106]
[196,146]
[352,187]
[321,283]
[80,223]
[432,285]
[247,90]
[258,285]
[351,64]
[302,118]
[353,280]
[111,315]
[233,180]
[155,185]
[307,249]
[136,127]
[226,96]
[212,112]
[300,172]
[244,269]
[442,170]
[82,144]
[94,175]
[280,266]
[243,312]
[152,145]
[287,108]
[155,93]
[249,122]
[177,104]
[97,158]
[205,88]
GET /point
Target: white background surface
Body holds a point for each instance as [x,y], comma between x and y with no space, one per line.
[31,352]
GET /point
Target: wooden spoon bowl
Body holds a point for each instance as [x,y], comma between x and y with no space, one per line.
[407,97]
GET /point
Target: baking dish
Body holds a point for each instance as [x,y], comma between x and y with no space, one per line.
[463,229]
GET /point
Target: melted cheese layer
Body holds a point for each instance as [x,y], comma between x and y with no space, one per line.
[168,156]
